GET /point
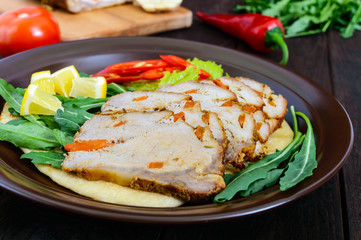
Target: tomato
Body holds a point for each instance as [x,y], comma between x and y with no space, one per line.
[27,28]
[182,63]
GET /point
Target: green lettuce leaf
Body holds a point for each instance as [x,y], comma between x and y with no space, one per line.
[190,73]
[142,85]
[210,67]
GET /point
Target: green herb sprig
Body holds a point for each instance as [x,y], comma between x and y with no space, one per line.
[306,17]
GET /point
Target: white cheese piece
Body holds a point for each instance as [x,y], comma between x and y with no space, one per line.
[158,5]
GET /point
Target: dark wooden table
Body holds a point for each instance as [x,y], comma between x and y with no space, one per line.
[333,211]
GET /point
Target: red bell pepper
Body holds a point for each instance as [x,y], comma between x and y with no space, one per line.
[262,33]
[146,70]
[136,66]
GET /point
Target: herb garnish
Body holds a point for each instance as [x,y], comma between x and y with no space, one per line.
[308,17]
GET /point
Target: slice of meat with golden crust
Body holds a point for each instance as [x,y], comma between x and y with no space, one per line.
[275,106]
[245,95]
[240,131]
[142,101]
[179,103]
[192,114]
[251,102]
[238,124]
[150,151]
[200,91]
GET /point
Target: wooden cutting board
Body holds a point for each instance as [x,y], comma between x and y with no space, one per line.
[123,20]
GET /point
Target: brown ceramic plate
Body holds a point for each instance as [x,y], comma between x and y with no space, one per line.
[330,121]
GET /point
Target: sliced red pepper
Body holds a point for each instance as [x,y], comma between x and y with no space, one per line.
[116,78]
[183,64]
[153,74]
[136,66]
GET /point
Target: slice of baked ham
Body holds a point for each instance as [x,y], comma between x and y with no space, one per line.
[152,152]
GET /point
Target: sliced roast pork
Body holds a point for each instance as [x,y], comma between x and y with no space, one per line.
[238,124]
[275,106]
[190,111]
[151,151]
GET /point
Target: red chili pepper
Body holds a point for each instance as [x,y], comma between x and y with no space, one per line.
[262,33]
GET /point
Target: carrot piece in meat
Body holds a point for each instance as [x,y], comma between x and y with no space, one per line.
[155,165]
[199,132]
[88,145]
[119,124]
[178,116]
[272,104]
[227,104]
[250,109]
[188,104]
[191,91]
[219,83]
[140,98]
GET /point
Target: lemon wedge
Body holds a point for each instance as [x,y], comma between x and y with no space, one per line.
[40,76]
[37,101]
[94,87]
[43,81]
[63,79]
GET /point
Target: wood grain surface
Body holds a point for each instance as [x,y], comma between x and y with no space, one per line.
[333,211]
[123,20]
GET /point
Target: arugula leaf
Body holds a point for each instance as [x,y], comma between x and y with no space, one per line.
[114,89]
[210,67]
[87,103]
[17,121]
[29,135]
[21,91]
[54,159]
[256,171]
[71,118]
[350,28]
[272,176]
[62,137]
[10,95]
[270,180]
[304,161]
[49,121]
[83,74]
[306,17]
